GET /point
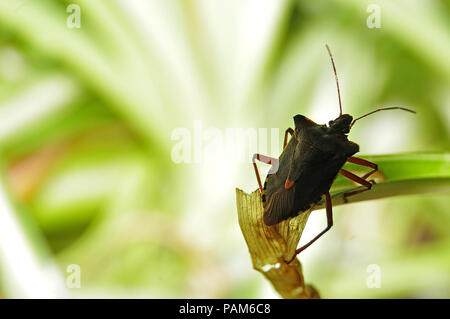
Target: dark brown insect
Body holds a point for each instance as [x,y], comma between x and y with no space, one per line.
[308,166]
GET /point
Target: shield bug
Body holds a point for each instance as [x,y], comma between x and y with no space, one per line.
[309,164]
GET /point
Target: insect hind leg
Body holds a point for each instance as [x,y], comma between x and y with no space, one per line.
[265,159]
[329,211]
[357,179]
[363,162]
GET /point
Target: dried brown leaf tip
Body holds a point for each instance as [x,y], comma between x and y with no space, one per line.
[271,246]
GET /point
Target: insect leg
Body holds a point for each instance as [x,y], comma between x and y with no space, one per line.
[329,224]
[288,131]
[265,159]
[363,162]
[357,179]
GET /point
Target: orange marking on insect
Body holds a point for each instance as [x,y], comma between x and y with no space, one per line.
[288,184]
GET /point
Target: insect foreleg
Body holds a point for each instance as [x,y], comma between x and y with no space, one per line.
[288,131]
[363,162]
[265,159]
[329,210]
[357,179]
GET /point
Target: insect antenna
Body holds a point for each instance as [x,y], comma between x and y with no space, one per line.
[337,81]
[383,109]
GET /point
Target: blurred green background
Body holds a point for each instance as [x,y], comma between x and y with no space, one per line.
[87,117]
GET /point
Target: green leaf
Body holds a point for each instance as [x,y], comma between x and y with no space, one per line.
[401,174]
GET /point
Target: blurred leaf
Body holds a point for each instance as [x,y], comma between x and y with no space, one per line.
[403,174]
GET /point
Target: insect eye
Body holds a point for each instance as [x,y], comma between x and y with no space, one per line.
[330,123]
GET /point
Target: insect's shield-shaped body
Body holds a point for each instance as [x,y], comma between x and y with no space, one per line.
[309,164]
[307,167]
